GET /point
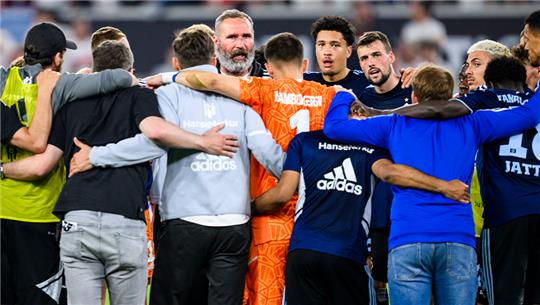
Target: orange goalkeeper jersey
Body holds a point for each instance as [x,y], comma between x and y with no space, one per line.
[287,108]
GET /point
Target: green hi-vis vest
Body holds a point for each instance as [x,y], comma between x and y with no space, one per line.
[30,201]
[477,204]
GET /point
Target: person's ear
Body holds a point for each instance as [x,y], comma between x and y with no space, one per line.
[305,63]
[269,68]
[414,98]
[176,64]
[58,59]
[392,57]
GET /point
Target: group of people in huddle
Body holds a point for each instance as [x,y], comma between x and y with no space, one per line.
[273,185]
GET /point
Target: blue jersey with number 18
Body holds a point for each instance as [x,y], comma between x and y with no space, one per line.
[509,173]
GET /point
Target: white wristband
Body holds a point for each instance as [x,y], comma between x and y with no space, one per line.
[167,77]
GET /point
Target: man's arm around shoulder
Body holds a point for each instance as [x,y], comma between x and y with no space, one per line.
[490,125]
[408,177]
[75,86]
[435,110]
[338,126]
[207,81]
[34,138]
[34,167]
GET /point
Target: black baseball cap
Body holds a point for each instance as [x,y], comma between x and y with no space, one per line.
[44,40]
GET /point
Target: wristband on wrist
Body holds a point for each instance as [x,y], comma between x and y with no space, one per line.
[2,176]
[168,77]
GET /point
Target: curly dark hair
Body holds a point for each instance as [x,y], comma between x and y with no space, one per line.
[505,70]
[334,23]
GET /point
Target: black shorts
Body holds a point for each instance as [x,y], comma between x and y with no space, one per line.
[30,257]
[511,262]
[314,278]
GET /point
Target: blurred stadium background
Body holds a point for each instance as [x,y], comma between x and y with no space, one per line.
[150,25]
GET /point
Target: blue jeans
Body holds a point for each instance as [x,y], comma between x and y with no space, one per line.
[446,269]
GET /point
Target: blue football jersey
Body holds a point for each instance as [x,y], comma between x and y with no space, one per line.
[443,149]
[392,99]
[355,80]
[333,209]
[509,173]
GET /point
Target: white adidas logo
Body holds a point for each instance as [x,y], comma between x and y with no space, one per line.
[211,163]
[342,179]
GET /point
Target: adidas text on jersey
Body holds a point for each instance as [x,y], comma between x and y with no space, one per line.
[342,179]
[210,163]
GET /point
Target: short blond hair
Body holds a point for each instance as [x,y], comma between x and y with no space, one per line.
[432,83]
[493,48]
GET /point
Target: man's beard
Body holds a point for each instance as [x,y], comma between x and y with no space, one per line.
[235,67]
[329,73]
[384,78]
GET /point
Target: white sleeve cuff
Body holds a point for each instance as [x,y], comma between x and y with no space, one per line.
[92,157]
[167,77]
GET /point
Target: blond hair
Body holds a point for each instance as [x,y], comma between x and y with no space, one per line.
[432,82]
[493,48]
